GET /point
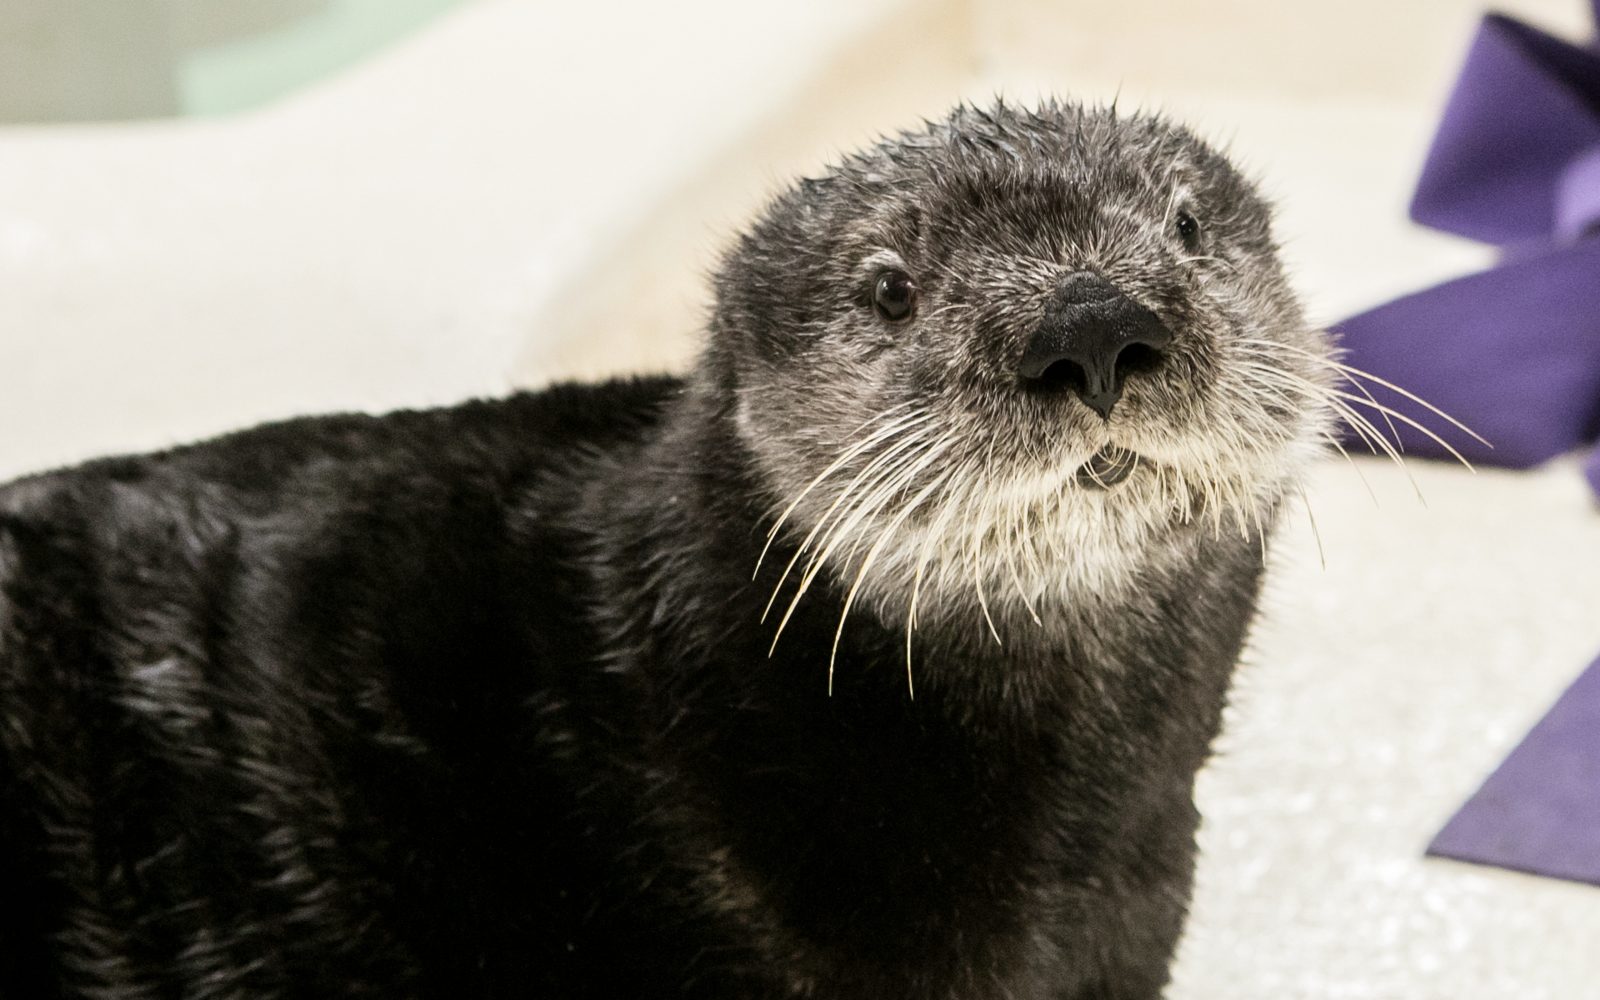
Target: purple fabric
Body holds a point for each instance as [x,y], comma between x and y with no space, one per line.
[1525,105]
[1577,204]
[1513,353]
[1540,811]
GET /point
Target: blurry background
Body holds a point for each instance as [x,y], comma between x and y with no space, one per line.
[264,207]
[98,60]
[214,212]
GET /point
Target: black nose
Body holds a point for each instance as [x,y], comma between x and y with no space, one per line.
[1091,337]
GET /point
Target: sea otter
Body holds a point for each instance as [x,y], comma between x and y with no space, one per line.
[872,658]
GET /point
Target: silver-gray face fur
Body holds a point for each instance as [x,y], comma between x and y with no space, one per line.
[913,458]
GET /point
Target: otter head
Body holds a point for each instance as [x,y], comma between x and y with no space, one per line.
[1017,356]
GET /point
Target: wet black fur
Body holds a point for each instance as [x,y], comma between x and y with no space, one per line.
[476,702]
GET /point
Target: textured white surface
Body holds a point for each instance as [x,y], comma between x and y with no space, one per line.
[1378,693]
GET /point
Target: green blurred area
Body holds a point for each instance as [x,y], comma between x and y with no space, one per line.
[256,70]
[105,60]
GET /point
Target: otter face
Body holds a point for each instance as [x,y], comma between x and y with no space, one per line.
[1021,351]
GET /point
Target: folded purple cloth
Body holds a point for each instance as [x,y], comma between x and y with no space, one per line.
[1540,811]
[1514,353]
[1525,109]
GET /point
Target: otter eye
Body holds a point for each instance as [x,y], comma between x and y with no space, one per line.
[895,296]
[1189,231]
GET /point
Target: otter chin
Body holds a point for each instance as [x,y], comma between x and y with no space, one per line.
[1108,467]
[872,658]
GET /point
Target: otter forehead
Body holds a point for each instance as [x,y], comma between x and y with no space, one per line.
[1044,184]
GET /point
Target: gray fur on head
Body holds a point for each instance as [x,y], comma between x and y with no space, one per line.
[913,454]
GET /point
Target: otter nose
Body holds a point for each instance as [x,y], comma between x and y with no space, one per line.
[1092,336]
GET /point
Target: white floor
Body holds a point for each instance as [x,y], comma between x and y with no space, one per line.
[527,190]
[1380,690]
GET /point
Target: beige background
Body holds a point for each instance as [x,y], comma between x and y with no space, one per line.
[527,191]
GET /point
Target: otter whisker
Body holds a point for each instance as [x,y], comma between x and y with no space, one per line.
[911,624]
[842,515]
[1185,492]
[1339,446]
[1393,430]
[837,463]
[1031,551]
[1323,393]
[1365,430]
[842,527]
[1370,435]
[1397,415]
[893,483]
[1282,383]
[1354,373]
[935,530]
[872,498]
[1217,260]
[1338,402]
[1011,562]
[972,555]
[1331,365]
[1321,556]
[866,563]
[886,456]
[980,530]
